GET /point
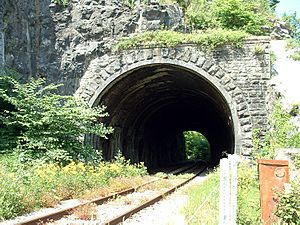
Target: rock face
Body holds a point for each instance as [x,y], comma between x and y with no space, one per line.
[281,30]
[153,95]
[45,39]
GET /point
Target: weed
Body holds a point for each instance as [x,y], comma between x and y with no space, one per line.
[295,55]
[288,209]
[25,189]
[62,2]
[206,194]
[259,49]
[86,212]
[248,195]
[158,185]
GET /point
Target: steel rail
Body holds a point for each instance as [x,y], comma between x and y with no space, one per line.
[120,218]
[66,211]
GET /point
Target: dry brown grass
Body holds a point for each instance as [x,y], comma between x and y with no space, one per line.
[96,193]
[86,212]
[116,185]
[64,192]
[158,185]
[49,199]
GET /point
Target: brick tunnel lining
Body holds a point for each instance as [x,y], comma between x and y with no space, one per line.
[151,106]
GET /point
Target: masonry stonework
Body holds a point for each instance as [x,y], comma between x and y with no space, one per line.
[241,76]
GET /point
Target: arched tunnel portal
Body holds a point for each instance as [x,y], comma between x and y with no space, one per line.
[150,106]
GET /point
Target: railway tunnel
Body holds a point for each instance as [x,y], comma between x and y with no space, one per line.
[151,106]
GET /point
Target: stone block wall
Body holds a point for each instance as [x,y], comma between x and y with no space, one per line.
[241,75]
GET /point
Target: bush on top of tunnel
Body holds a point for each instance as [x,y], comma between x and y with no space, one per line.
[42,125]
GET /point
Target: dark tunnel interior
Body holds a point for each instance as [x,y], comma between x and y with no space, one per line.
[151,106]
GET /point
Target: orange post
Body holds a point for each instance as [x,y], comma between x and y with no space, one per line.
[272,176]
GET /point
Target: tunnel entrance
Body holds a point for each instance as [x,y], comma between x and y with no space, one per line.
[197,146]
[151,106]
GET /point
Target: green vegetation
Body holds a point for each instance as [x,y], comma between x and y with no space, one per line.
[288,209]
[27,188]
[273,4]
[196,146]
[43,157]
[281,134]
[129,3]
[248,195]
[294,45]
[295,55]
[244,15]
[294,22]
[62,2]
[203,202]
[209,39]
[259,49]
[294,42]
[207,195]
[213,24]
[37,124]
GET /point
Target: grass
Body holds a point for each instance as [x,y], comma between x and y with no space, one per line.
[208,40]
[203,199]
[295,56]
[24,189]
[295,46]
[248,195]
[86,212]
[203,202]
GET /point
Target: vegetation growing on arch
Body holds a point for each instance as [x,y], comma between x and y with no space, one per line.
[62,2]
[208,40]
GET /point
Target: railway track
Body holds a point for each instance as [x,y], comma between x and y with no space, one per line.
[107,203]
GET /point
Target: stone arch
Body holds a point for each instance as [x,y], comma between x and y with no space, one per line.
[104,72]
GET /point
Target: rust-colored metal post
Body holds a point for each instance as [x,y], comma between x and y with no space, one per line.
[272,176]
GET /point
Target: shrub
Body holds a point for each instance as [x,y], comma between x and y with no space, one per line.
[281,134]
[240,15]
[249,16]
[10,196]
[288,208]
[62,2]
[200,15]
[294,44]
[294,22]
[49,126]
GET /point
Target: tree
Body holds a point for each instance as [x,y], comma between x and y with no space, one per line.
[48,126]
[294,22]
[196,146]
[273,4]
